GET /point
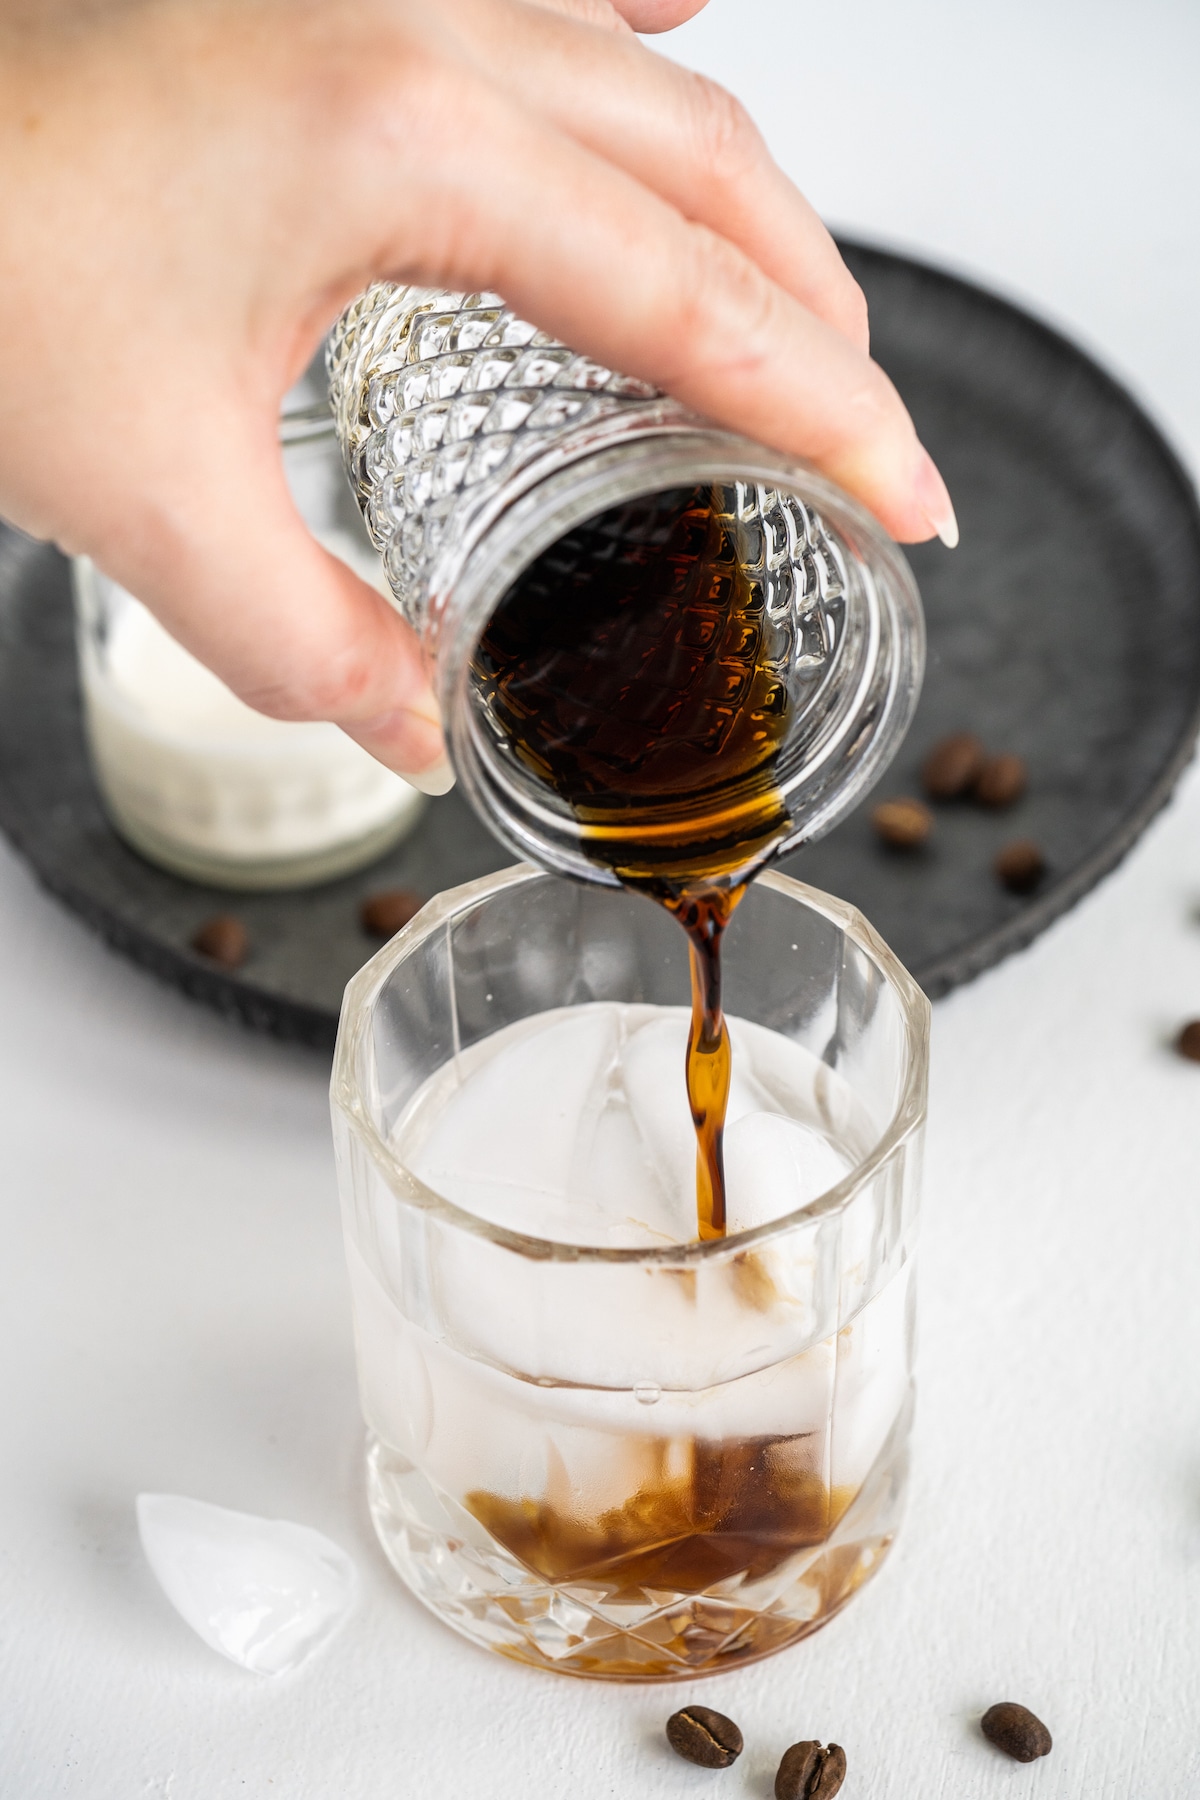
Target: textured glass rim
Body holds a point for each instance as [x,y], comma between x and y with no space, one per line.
[358,1008]
[617,458]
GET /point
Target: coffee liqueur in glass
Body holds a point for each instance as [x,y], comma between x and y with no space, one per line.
[656,671]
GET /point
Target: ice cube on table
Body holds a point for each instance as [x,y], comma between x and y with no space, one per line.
[263,1592]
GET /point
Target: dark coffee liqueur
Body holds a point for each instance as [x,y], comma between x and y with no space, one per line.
[732,1506]
[627,669]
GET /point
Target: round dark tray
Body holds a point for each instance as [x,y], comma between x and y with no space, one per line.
[1066,627]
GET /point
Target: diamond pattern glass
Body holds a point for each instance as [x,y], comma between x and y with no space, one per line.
[473,441]
[437,393]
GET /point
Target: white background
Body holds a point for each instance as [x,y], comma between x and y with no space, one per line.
[173,1312]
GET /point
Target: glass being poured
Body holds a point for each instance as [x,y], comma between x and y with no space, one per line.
[633,661]
[663,654]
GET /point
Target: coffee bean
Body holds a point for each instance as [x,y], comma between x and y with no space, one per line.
[810,1771]
[1001,781]
[223,940]
[386,913]
[1016,1731]
[703,1736]
[952,766]
[1188,1041]
[902,824]
[1020,866]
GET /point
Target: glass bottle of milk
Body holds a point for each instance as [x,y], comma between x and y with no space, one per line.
[196,780]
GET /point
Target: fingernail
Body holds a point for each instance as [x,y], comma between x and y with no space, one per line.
[935,502]
[438,778]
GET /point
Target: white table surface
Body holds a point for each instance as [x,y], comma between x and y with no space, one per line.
[173,1313]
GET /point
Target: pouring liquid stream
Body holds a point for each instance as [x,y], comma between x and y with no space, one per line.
[628,669]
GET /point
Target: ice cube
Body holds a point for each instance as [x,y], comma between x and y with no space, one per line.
[515,1121]
[652,1069]
[773,1166]
[263,1592]
[574,1125]
[535,1131]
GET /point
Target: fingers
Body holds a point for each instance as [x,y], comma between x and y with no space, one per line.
[242,584]
[685,137]
[610,267]
[359,156]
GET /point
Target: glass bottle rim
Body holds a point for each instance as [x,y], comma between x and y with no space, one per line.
[409,1190]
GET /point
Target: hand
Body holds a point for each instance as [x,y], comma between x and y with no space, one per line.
[193,189]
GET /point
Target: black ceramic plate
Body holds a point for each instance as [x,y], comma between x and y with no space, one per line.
[1066,628]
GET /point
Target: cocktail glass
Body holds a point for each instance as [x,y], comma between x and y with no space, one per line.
[648,1462]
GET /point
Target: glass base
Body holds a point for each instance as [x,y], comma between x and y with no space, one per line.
[460,1572]
[269,874]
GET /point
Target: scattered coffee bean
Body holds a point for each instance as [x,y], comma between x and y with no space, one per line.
[903,824]
[953,766]
[223,940]
[1188,1041]
[1020,866]
[703,1736]
[1016,1731]
[1001,781]
[385,913]
[811,1771]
